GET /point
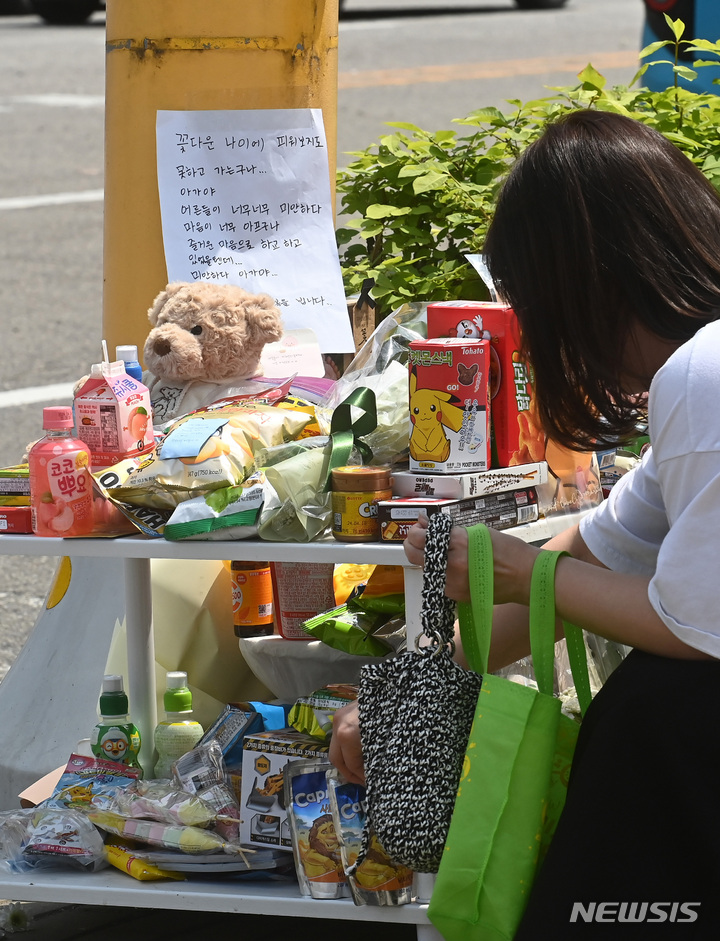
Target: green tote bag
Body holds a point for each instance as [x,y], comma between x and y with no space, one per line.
[514,779]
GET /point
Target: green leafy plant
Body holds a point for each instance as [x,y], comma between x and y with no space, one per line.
[417,202]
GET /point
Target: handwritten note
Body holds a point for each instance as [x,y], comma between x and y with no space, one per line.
[245,199]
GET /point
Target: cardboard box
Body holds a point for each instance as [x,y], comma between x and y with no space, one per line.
[113,416]
[461,486]
[496,510]
[15,519]
[510,387]
[449,405]
[263,820]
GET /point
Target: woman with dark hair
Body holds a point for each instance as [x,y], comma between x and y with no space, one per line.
[606,243]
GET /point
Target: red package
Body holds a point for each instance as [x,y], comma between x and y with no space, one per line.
[449,405]
[515,440]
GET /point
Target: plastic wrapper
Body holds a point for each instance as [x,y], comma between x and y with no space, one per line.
[347,576]
[122,857]
[316,848]
[88,780]
[296,403]
[207,450]
[381,365]
[297,507]
[313,714]
[166,836]
[200,768]
[49,837]
[378,880]
[221,797]
[356,632]
[371,622]
[229,729]
[202,772]
[228,513]
[166,803]
[383,593]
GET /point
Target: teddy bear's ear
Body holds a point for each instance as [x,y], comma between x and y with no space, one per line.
[264,318]
[162,299]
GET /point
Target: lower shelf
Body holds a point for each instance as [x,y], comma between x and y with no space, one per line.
[109,887]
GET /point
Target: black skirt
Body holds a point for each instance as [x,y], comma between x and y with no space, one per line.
[636,853]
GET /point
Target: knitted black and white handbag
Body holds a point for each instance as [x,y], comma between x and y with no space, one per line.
[415,714]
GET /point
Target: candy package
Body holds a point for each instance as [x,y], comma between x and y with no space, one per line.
[50,837]
[313,714]
[88,780]
[166,836]
[122,857]
[166,803]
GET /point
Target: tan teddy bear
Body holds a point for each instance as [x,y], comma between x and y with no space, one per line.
[205,339]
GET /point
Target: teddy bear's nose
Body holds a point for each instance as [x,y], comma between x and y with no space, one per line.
[161,347]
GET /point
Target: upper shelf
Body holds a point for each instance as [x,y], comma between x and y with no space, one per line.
[321,550]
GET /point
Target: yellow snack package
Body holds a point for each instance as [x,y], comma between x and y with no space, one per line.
[205,451]
[122,858]
[294,403]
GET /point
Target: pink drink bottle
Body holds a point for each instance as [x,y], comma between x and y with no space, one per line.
[61,495]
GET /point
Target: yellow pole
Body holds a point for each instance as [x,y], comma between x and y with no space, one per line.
[185,55]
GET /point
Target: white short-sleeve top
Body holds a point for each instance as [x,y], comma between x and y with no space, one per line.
[663,518]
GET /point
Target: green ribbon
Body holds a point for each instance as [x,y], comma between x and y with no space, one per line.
[347,432]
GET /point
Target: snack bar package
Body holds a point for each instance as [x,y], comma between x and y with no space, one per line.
[449,405]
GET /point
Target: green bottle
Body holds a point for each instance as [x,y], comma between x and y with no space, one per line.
[179,733]
[115,737]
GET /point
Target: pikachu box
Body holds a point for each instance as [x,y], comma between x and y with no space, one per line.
[510,388]
[449,405]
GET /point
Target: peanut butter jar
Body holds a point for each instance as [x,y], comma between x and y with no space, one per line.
[356,490]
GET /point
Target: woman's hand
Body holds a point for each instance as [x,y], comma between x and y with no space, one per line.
[345,750]
[513,560]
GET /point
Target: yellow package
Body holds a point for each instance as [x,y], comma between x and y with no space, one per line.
[347,576]
[201,452]
[294,403]
[122,858]
[15,485]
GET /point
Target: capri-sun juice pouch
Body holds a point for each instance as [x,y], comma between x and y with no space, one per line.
[316,848]
[378,880]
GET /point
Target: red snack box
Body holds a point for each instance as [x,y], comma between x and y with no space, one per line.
[513,434]
[449,405]
[15,519]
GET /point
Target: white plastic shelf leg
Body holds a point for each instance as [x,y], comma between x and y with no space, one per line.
[141,655]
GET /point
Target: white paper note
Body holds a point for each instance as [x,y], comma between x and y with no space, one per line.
[245,199]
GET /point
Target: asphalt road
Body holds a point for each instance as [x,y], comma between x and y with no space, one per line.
[424,62]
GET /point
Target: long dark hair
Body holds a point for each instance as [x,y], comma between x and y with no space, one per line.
[602,224]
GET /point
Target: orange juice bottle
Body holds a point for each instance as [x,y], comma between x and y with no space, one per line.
[61,495]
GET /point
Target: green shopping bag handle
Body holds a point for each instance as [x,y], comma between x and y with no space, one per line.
[476,617]
[542,631]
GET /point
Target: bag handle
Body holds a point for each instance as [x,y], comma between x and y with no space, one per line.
[476,617]
[542,631]
[437,611]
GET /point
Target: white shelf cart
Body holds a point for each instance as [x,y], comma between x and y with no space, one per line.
[109,887]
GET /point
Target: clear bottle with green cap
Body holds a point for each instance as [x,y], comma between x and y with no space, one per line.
[115,737]
[179,732]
